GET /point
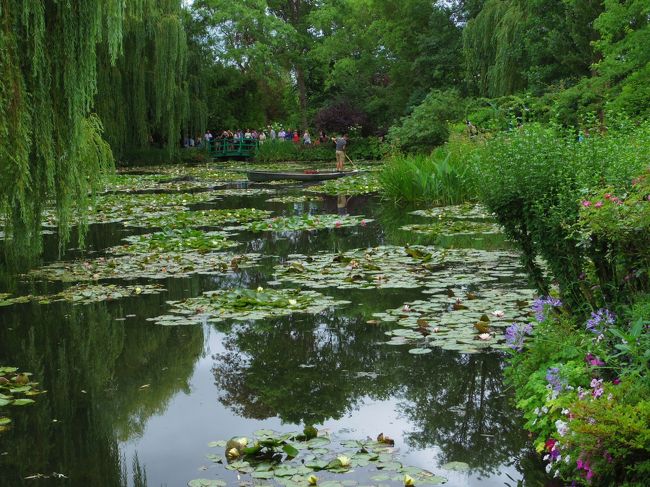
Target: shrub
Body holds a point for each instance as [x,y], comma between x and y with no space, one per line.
[339,118]
[534,180]
[427,127]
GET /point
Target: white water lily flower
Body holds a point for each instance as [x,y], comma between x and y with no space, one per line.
[345,461]
[293,302]
[485,336]
[260,289]
[498,313]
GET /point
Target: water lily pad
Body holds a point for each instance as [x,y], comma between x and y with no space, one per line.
[456,466]
[420,351]
[206,483]
[246,305]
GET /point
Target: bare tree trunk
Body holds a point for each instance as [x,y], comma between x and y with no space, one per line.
[302,96]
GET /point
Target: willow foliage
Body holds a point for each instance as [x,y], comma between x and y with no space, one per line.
[493,46]
[144,96]
[60,60]
[50,149]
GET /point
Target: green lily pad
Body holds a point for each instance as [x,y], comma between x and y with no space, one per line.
[456,466]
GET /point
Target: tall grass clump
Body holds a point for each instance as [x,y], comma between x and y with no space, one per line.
[444,177]
[538,179]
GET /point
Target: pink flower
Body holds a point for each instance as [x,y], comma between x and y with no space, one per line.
[608,196]
[363,223]
[586,203]
[337,224]
[598,204]
[616,381]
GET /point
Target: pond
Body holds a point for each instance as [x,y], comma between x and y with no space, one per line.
[206,308]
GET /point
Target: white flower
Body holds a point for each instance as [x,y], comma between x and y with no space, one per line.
[260,289]
[544,409]
[548,468]
[485,336]
[498,313]
[562,427]
[293,302]
[565,411]
[345,461]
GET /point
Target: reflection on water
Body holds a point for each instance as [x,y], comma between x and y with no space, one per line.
[132,403]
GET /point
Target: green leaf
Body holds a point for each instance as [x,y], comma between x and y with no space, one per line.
[290,450]
[22,402]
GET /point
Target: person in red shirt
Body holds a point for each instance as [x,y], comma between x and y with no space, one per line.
[296,137]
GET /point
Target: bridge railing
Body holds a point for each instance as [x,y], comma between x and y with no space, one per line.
[232,147]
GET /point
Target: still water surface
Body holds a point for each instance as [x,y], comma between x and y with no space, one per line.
[130,402]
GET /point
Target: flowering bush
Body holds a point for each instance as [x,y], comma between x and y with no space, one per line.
[584,391]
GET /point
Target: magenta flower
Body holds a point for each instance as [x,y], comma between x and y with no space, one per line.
[586,203]
[594,361]
[598,204]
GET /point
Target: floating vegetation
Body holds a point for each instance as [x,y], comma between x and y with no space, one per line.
[16,389]
[203,218]
[84,294]
[244,305]
[155,182]
[457,212]
[305,222]
[148,266]
[296,460]
[349,186]
[458,319]
[244,191]
[294,199]
[134,206]
[175,240]
[453,227]
[378,267]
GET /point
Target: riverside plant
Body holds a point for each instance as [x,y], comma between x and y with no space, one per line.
[445,177]
[582,386]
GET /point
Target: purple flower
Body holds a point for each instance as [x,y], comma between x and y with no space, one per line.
[597,386]
[515,335]
[553,378]
[599,320]
[540,306]
[594,361]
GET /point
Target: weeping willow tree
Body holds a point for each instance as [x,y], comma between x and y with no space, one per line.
[51,149]
[143,97]
[493,43]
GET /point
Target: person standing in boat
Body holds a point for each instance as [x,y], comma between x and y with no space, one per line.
[341,143]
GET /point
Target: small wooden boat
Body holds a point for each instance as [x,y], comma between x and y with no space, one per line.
[307,175]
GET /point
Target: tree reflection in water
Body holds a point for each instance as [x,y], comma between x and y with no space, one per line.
[303,370]
[92,367]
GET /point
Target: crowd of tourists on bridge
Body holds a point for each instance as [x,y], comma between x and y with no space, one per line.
[262,136]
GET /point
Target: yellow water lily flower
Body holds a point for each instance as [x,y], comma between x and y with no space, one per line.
[293,302]
[233,453]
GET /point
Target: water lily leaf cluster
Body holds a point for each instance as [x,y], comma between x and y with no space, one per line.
[85,294]
[122,207]
[125,182]
[175,240]
[457,212]
[295,199]
[350,186]
[458,319]
[245,305]
[297,460]
[16,389]
[453,227]
[377,267]
[203,218]
[305,222]
[243,191]
[147,266]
